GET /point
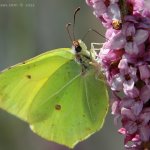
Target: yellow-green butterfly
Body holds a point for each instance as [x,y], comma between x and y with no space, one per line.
[58,93]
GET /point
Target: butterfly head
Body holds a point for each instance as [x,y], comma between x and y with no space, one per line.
[78,46]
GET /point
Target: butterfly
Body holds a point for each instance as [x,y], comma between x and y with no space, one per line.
[58,93]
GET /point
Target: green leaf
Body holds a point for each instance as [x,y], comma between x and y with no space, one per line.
[51,93]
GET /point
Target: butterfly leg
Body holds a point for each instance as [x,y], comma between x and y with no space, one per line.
[95,49]
[96,46]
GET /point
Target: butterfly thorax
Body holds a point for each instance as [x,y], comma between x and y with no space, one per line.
[82,55]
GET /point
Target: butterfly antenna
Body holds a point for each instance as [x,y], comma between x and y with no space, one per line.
[74,20]
[68,31]
[85,35]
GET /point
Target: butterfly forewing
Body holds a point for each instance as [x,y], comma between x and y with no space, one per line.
[20,84]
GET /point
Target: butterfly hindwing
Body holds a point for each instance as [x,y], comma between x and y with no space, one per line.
[69,106]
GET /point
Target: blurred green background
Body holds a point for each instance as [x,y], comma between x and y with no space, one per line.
[28,28]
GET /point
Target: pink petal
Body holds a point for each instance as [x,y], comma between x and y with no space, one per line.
[147,4]
[137,108]
[144,72]
[131,127]
[116,119]
[136,138]
[114,12]
[144,118]
[134,93]
[118,41]
[114,1]
[144,133]
[128,84]
[89,2]
[145,93]
[99,8]
[141,36]
[122,131]
[133,73]
[127,102]
[123,66]
[127,113]
[130,31]
[117,83]
[131,48]
[115,107]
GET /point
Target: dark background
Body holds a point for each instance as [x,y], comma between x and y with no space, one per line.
[28,28]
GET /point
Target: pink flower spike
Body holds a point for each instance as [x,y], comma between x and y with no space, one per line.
[125,62]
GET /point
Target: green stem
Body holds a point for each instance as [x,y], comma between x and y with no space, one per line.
[123,9]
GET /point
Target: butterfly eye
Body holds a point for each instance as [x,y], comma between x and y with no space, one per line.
[77,46]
